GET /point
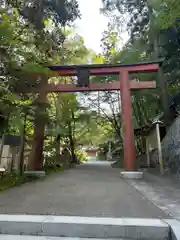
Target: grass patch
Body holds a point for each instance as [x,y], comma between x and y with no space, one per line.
[53,168]
[13,180]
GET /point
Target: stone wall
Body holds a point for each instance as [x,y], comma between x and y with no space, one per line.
[171,148]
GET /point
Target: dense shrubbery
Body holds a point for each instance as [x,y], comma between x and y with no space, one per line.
[81,156]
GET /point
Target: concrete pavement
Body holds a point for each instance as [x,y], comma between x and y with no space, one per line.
[92,189]
[163,191]
[85,227]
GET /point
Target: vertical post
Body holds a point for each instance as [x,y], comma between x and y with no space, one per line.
[98,103]
[147,152]
[159,148]
[2,146]
[21,154]
[128,138]
[109,154]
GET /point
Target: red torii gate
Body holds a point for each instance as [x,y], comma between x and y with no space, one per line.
[124,85]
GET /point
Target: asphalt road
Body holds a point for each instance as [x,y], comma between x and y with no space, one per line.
[93,189]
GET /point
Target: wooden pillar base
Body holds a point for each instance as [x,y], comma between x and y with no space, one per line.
[132,175]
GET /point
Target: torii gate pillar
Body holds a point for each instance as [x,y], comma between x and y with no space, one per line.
[127,117]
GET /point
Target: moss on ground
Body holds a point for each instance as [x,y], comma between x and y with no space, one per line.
[13,180]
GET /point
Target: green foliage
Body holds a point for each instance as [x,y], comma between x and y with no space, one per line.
[169,13]
[81,155]
[37,34]
[37,12]
[13,180]
[27,46]
[51,167]
[153,28]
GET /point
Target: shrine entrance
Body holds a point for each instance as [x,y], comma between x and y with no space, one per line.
[125,85]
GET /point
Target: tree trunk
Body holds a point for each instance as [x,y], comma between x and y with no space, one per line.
[21,153]
[36,156]
[163,86]
[72,145]
[58,138]
[2,146]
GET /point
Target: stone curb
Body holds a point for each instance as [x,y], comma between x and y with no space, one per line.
[174,228]
[15,237]
[132,175]
[84,227]
[40,174]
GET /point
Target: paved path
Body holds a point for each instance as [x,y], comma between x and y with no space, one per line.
[88,190]
[162,191]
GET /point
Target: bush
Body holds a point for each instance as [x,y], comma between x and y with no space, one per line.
[51,165]
[101,155]
[81,155]
[53,168]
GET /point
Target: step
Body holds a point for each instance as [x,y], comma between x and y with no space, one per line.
[175,228]
[20,237]
[84,227]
